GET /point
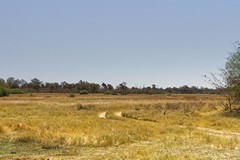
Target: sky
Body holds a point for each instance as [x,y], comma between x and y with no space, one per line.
[142,42]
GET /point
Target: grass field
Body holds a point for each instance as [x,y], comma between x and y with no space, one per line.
[57,126]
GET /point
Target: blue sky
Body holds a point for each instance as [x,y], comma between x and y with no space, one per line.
[144,42]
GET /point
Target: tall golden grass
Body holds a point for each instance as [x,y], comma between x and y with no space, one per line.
[34,124]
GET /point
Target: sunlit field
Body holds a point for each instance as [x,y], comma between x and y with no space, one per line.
[97,126]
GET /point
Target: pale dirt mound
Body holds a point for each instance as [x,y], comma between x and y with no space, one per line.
[102,115]
[118,114]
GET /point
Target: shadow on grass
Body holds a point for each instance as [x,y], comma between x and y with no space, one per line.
[233,114]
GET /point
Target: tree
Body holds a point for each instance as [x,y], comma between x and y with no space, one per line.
[4,91]
[10,82]
[231,74]
[13,83]
[82,85]
[2,82]
[36,84]
[154,86]
[123,88]
[16,83]
[110,87]
[94,88]
[227,82]
[23,83]
[104,86]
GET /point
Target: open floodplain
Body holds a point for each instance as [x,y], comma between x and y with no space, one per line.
[97,126]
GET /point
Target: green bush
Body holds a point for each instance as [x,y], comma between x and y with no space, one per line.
[83,92]
[16,91]
[108,92]
[4,92]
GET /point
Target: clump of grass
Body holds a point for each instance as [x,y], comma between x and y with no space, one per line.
[72,95]
[22,127]
[191,107]
[173,106]
[158,106]
[2,129]
[141,115]
[208,107]
[187,109]
[86,107]
[110,115]
[26,139]
[220,142]
[31,94]
[129,114]
[49,146]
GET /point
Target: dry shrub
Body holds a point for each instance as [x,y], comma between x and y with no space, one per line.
[173,106]
[143,106]
[26,139]
[208,107]
[187,109]
[112,140]
[51,146]
[158,106]
[137,108]
[190,97]
[190,107]
[142,116]
[130,114]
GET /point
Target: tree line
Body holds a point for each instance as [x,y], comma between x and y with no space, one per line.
[37,86]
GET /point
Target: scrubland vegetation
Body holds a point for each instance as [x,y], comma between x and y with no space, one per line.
[102,126]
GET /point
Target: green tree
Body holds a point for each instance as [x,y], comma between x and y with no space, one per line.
[227,82]
[104,86]
[4,91]
[231,74]
[123,88]
[110,87]
[2,82]
[10,81]
[154,86]
[36,84]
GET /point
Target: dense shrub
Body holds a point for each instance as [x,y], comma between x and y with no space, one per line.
[4,92]
[108,92]
[16,91]
[83,92]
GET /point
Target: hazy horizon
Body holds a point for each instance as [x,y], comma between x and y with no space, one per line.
[167,43]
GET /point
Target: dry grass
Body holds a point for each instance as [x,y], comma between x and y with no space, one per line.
[151,127]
